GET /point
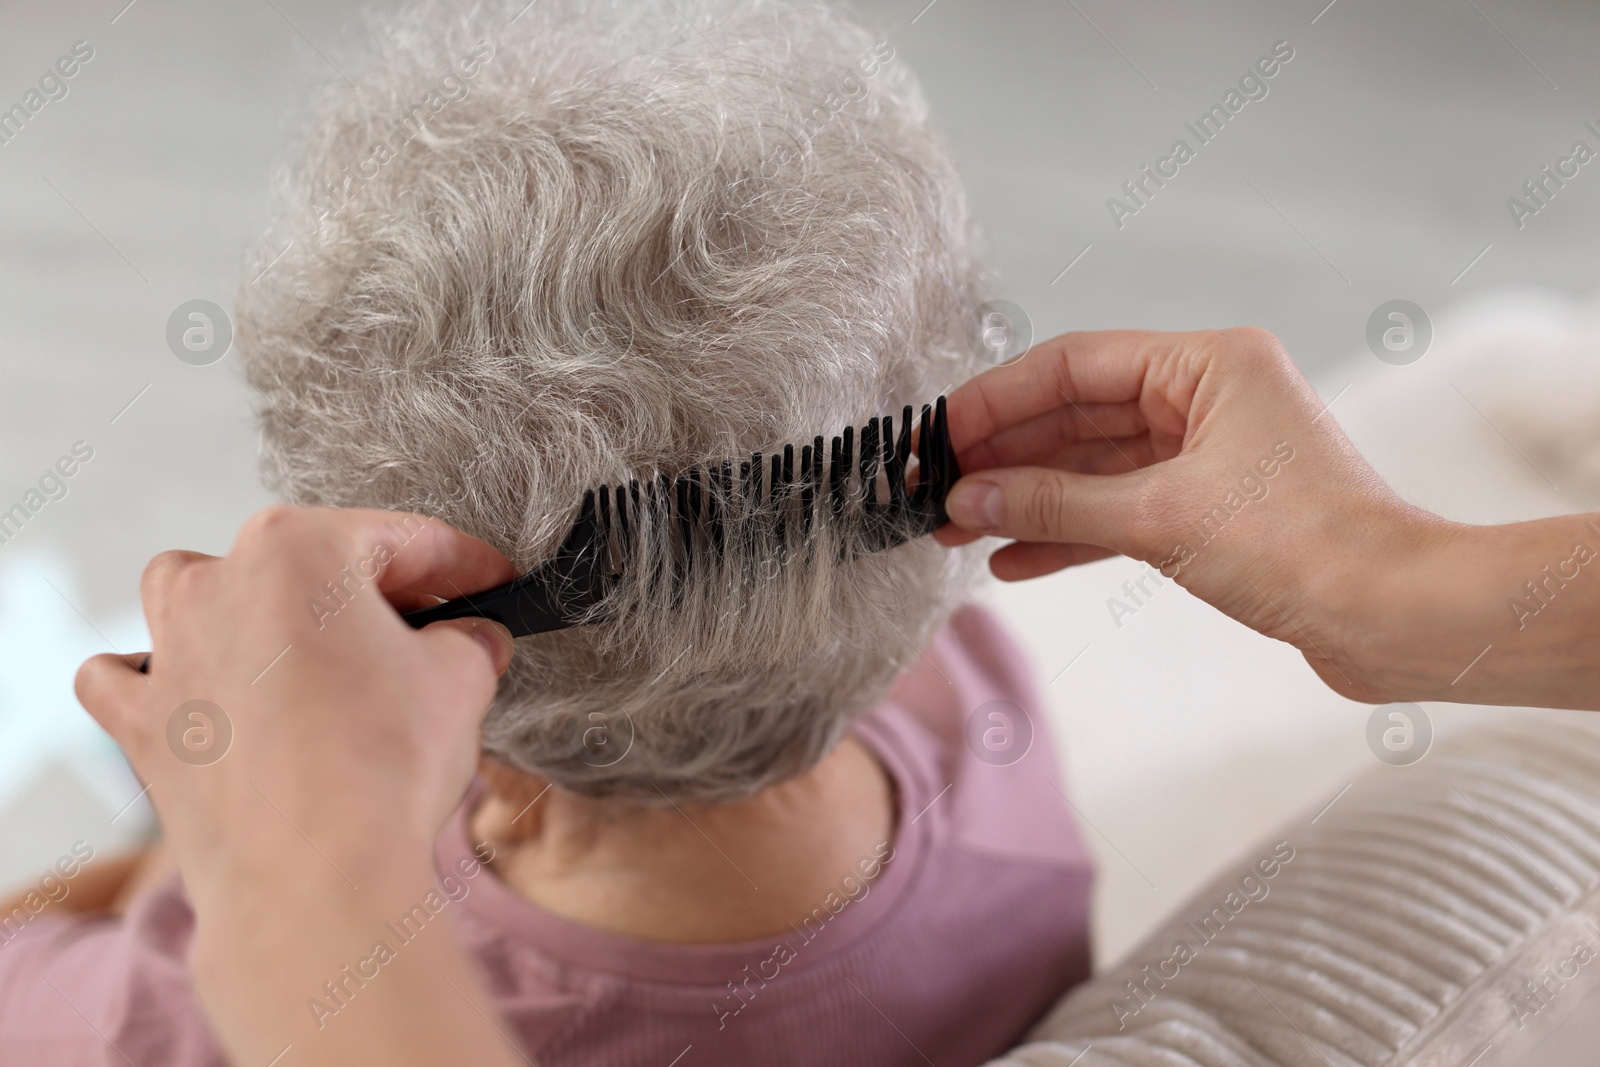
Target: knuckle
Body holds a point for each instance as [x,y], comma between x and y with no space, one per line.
[272,522]
[1253,346]
[1042,506]
[92,686]
[185,585]
[463,660]
[1153,521]
[83,683]
[1253,338]
[319,540]
[161,571]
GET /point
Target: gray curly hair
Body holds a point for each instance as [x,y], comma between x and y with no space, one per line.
[531,254]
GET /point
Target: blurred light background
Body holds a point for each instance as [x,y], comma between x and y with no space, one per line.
[1377,167]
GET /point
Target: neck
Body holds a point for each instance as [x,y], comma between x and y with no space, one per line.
[689,874]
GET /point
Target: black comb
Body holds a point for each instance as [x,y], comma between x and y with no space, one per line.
[689,509]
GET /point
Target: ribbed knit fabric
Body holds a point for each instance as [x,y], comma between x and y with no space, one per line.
[1446,913]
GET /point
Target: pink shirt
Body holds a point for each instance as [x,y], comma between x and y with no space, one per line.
[977,923]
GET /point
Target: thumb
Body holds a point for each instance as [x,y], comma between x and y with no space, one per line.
[494,638]
[1036,504]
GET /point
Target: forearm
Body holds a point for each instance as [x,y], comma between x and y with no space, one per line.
[328,969]
[1492,615]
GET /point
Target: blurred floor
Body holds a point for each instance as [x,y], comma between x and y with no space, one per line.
[1377,167]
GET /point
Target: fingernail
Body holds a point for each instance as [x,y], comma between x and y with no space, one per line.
[974,504]
[497,639]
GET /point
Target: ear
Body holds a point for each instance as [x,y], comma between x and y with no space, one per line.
[518,791]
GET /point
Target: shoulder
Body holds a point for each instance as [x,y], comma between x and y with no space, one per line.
[122,980]
[970,668]
[971,727]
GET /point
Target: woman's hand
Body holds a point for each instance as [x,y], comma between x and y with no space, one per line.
[342,718]
[303,746]
[1209,457]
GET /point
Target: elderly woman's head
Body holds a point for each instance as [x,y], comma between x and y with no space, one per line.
[529,254]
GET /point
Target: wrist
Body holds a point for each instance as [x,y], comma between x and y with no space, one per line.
[1481,614]
[261,907]
[273,970]
[1395,601]
[1535,610]
[313,882]
[304,921]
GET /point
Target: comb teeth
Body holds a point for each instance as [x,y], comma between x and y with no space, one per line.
[720,513]
[839,473]
[811,465]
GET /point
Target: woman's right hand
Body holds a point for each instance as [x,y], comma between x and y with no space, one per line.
[1209,457]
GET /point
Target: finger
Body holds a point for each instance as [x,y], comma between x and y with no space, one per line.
[405,600]
[1099,368]
[439,560]
[952,536]
[494,637]
[108,686]
[470,654]
[1022,560]
[1067,425]
[1037,504]
[155,584]
[1101,456]
[408,556]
